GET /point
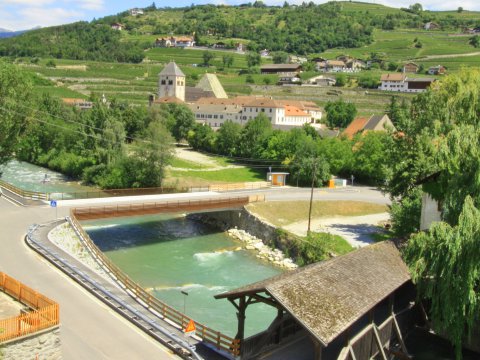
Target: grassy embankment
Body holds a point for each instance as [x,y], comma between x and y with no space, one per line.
[316,246]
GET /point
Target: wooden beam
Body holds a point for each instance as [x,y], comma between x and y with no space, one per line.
[269,301]
[379,343]
[352,353]
[234,303]
[399,335]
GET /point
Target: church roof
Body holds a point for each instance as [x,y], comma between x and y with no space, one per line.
[171,70]
[209,82]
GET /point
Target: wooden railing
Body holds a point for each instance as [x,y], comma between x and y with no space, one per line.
[44,314]
[206,334]
[119,210]
[33,195]
[239,186]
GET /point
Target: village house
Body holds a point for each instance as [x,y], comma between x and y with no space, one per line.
[372,123]
[410,67]
[401,83]
[322,80]
[241,48]
[117,26]
[215,115]
[136,12]
[281,69]
[264,53]
[82,104]
[355,65]
[175,41]
[331,66]
[289,80]
[294,59]
[437,70]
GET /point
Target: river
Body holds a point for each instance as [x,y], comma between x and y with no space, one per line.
[169,254]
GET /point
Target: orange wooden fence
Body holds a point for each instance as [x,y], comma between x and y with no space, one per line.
[44,312]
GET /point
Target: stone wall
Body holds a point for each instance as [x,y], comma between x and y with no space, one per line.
[244,220]
[42,345]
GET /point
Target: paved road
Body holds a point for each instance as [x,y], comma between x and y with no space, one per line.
[89,329]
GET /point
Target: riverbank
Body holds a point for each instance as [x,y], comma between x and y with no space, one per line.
[266,253]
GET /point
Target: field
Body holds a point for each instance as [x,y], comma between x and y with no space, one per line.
[282,213]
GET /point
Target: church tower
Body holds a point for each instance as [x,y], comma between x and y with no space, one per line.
[171,82]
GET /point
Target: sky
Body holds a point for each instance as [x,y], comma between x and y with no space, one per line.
[26,14]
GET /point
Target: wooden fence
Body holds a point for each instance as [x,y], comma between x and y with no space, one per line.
[33,195]
[207,335]
[239,186]
[119,210]
[44,314]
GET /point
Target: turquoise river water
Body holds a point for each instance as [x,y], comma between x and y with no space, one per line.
[170,254]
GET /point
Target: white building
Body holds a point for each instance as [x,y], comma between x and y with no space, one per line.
[171,82]
[215,115]
[136,11]
[399,82]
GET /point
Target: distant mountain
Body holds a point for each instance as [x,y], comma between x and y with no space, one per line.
[5,33]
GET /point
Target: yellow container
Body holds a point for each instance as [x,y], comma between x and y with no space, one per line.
[331,183]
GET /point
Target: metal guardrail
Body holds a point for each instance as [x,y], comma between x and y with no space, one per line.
[220,341]
[45,313]
[173,342]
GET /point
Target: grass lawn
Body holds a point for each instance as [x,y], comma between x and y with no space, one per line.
[333,243]
[281,213]
[201,178]
[185,164]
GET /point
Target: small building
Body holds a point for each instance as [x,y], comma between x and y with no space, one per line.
[289,80]
[136,12]
[241,48]
[418,84]
[277,178]
[264,53]
[331,66]
[437,70]
[294,59]
[82,104]
[117,26]
[431,26]
[171,82]
[355,65]
[410,67]
[175,41]
[322,80]
[353,306]
[281,69]
[372,123]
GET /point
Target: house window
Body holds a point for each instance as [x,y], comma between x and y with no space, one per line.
[170,82]
[221,116]
[256,109]
[163,82]
[209,116]
[270,110]
[215,116]
[263,110]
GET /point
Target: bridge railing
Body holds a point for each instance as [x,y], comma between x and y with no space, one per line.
[32,195]
[206,334]
[98,212]
[44,314]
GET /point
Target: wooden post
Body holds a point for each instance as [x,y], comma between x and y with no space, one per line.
[242,306]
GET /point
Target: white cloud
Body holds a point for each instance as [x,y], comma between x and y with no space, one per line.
[29,2]
[27,18]
[91,4]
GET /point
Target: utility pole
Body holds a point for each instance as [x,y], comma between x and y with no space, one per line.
[314,175]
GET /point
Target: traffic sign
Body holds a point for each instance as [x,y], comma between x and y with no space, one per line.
[190,329]
[53,203]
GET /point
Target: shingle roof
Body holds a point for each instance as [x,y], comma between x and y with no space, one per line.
[393,77]
[171,70]
[373,122]
[327,297]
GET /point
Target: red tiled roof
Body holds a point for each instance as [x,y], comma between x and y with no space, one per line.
[355,126]
[393,77]
[294,111]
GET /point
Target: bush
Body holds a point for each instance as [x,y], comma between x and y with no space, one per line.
[405,214]
[51,63]
[341,80]
[249,79]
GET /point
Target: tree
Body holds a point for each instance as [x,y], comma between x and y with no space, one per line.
[228,138]
[369,81]
[341,79]
[445,265]
[279,57]
[179,119]
[460,9]
[207,57]
[439,148]
[340,113]
[308,164]
[227,60]
[253,136]
[474,41]
[15,96]
[253,59]
[416,8]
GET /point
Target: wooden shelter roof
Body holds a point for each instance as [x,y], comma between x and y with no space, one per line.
[328,296]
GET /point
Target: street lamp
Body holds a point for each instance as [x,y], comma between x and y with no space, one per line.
[184,299]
